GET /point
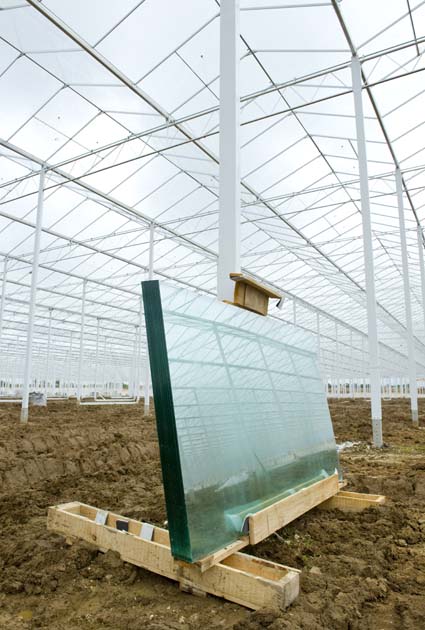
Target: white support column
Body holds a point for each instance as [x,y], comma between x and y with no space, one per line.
[319,348]
[80,358]
[407,302]
[49,337]
[3,296]
[96,361]
[70,374]
[134,361]
[147,378]
[337,363]
[372,326]
[229,212]
[422,269]
[104,366]
[139,350]
[33,295]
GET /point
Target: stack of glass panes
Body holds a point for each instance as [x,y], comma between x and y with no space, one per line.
[241,413]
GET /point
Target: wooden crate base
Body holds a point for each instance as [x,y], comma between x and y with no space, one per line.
[240,578]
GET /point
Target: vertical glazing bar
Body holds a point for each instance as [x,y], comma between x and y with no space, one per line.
[33,295]
[80,358]
[372,326]
[229,211]
[407,302]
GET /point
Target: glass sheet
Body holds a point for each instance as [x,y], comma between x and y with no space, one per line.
[241,413]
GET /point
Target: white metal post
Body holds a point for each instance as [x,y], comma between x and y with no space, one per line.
[33,294]
[80,358]
[422,269]
[70,364]
[3,296]
[96,361]
[104,366]
[49,335]
[147,366]
[318,337]
[351,375]
[139,350]
[407,302]
[372,326]
[338,386]
[229,211]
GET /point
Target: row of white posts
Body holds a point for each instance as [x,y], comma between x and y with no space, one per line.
[392,387]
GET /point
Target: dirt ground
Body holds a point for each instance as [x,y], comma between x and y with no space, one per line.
[359,571]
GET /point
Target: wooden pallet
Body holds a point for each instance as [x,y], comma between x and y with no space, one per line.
[227,573]
[240,578]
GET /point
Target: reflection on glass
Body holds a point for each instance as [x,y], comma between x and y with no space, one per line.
[241,413]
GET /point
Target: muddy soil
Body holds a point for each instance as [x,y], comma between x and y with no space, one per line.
[359,571]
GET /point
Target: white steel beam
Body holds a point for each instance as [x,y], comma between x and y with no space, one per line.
[422,269]
[32,305]
[147,377]
[230,193]
[3,295]
[372,327]
[49,336]
[407,302]
[80,359]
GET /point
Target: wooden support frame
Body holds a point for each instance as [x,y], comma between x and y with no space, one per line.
[240,578]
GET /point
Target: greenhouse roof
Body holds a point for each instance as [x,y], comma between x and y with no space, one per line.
[119,102]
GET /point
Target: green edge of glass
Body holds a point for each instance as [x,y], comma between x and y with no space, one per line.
[166,422]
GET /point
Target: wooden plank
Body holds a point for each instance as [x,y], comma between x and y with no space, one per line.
[250,298]
[352,501]
[240,578]
[239,277]
[218,556]
[279,514]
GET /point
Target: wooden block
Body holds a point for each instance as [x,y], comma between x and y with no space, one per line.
[352,501]
[240,578]
[279,514]
[239,277]
[256,300]
[251,295]
[218,556]
[239,293]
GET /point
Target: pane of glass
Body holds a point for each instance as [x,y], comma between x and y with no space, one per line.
[241,413]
